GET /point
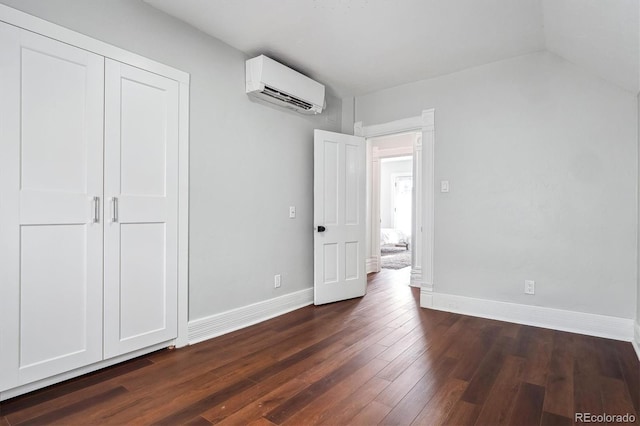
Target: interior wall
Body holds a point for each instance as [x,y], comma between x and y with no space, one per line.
[248,162]
[387,169]
[541,157]
[348,111]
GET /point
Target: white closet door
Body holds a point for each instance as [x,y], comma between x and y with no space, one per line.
[51,139]
[141,193]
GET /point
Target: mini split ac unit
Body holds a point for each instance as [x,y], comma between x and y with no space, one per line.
[278,84]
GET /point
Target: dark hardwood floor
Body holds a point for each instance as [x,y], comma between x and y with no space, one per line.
[375,360]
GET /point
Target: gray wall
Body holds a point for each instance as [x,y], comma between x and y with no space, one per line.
[249,162]
[542,162]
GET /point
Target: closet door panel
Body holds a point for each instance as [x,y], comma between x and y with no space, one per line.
[143,280]
[141,148]
[51,284]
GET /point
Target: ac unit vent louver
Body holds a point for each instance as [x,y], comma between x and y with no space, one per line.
[270,91]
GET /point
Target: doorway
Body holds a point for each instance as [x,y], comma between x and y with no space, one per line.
[423,126]
[392,195]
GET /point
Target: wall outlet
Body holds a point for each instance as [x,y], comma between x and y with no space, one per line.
[292,212]
[529,286]
[276,281]
[444,186]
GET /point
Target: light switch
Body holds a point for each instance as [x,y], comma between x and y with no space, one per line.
[444,186]
[292,212]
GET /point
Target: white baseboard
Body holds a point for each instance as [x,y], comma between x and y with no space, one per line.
[538,316]
[372,264]
[636,340]
[235,319]
[416,277]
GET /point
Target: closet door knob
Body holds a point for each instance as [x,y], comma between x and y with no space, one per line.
[321,228]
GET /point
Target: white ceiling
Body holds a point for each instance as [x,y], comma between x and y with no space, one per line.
[360,46]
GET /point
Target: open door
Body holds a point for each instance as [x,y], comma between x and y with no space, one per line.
[339,217]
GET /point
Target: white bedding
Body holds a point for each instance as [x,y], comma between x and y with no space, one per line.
[393,236]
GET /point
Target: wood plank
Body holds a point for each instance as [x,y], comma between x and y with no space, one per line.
[198,421]
[616,399]
[550,419]
[559,388]
[83,405]
[285,410]
[216,413]
[393,393]
[261,422]
[481,343]
[499,403]
[403,344]
[463,413]
[401,362]
[539,358]
[327,405]
[344,411]
[608,359]
[524,341]
[412,404]
[439,407]
[586,377]
[484,377]
[527,409]
[38,397]
[179,397]
[402,331]
[320,371]
[254,410]
[630,366]
[194,409]
[61,401]
[372,414]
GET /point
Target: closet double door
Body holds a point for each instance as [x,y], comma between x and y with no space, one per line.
[88,207]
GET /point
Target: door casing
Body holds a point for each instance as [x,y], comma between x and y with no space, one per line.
[424,187]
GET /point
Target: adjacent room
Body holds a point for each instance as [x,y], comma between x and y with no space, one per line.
[333,212]
[396,183]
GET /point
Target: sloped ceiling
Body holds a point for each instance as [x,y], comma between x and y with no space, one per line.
[360,46]
[602,36]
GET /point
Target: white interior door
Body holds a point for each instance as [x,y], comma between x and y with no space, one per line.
[51,112]
[339,217]
[141,193]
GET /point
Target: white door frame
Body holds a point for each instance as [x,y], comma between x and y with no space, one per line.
[423,183]
[31,23]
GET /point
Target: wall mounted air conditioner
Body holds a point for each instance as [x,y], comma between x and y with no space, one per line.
[278,84]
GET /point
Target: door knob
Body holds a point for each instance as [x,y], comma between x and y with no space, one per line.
[321,228]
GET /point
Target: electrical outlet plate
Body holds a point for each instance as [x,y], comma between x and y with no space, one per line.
[292,212]
[277,280]
[529,287]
